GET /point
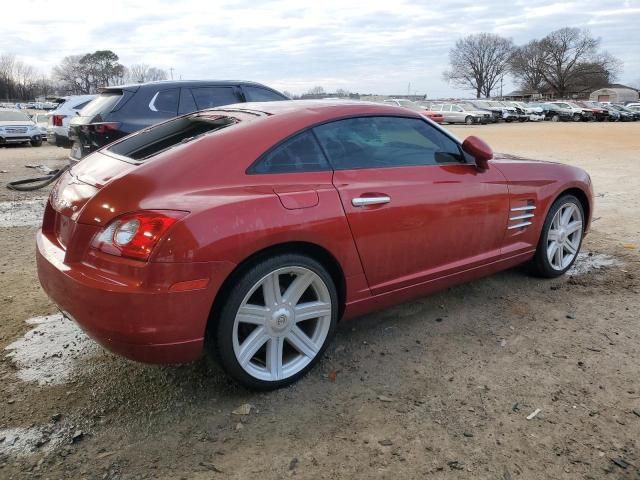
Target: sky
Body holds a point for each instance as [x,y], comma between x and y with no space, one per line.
[384,47]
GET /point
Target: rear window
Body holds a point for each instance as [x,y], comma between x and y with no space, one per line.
[102,104]
[150,142]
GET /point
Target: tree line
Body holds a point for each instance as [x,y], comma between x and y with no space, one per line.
[74,75]
[566,61]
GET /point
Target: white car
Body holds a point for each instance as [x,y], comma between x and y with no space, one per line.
[58,129]
[17,127]
[536,114]
[42,120]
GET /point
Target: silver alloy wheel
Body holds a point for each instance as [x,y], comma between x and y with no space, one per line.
[565,234]
[282,323]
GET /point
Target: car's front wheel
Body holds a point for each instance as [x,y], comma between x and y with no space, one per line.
[36,143]
[276,322]
[561,238]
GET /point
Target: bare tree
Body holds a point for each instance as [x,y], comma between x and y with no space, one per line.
[527,63]
[570,56]
[141,72]
[478,62]
[156,74]
[73,76]
[287,94]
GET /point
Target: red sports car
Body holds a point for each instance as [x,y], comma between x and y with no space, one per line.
[249,231]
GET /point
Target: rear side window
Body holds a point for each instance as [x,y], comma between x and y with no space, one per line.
[257,94]
[297,154]
[80,106]
[208,97]
[144,145]
[383,142]
[101,105]
[165,101]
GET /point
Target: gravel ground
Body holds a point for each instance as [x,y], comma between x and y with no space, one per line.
[441,388]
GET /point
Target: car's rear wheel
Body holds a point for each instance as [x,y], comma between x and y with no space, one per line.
[561,238]
[468,120]
[555,118]
[276,322]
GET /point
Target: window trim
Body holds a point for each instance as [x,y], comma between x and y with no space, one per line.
[467,159]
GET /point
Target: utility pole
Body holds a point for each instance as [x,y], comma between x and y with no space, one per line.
[501,78]
[171,72]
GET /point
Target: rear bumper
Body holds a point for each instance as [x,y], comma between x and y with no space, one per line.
[138,319]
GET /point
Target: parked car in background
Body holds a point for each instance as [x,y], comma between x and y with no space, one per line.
[578,113]
[121,110]
[249,231]
[600,114]
[498,110]
[614,114]
[533,113]
[461,113]
[633,106]
[18,127]
[555,113]
[632,115]
[42,121]
[68,107]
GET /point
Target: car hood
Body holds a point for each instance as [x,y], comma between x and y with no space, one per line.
[21,123]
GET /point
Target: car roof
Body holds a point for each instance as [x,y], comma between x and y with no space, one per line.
[318,109]
[181,83]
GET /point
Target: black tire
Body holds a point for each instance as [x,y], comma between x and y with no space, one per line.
[468,120]
[555,118]
[540,265]
[220,341]
[36,143]
[577,117]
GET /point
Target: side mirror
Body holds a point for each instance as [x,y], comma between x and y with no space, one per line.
[479,150]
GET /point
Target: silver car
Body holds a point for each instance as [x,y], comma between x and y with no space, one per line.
[461,113]
[17,127]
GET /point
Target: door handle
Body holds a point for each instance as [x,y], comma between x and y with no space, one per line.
[364,201]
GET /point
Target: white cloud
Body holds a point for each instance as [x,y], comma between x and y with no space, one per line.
[373,46]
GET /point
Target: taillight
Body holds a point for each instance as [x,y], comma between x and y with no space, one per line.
[135,235]
[57,120]
[104,127]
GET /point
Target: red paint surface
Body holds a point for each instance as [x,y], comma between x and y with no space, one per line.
[444,225]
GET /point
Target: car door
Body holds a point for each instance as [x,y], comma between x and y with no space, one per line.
[446,113]
[458,114]
[417,210]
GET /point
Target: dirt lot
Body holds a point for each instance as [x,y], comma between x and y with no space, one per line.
[439,388]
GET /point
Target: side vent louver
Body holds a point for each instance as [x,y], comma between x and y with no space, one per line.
[522,216]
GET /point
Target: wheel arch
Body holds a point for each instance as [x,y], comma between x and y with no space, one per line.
[584,201]
[313,250]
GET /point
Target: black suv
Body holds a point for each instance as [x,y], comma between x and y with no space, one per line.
[121,110]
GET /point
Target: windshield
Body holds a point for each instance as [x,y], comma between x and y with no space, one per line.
[11,116]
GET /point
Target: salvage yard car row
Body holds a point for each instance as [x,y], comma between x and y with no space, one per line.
[471,112]
[85,123]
